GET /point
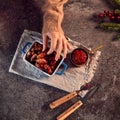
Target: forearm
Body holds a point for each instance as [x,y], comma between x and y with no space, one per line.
[53,14]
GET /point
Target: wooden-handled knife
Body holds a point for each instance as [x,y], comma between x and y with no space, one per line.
[67,97]
[63,100]
[78,104]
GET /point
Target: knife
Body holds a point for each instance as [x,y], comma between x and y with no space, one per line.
[78,104]
[67,97]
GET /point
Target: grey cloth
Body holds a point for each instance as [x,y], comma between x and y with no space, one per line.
[71,80]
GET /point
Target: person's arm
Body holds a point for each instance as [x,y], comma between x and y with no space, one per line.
[52,30]
[53,15]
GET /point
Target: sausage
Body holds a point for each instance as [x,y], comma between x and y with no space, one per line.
[40,66]
[42,55]
[53,64]
[47,68]
[28,55]
[33,58]
[41,61]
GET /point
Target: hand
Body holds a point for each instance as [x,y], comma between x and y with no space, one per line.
[58,43]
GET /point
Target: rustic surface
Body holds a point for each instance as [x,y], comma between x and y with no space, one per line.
[22,99]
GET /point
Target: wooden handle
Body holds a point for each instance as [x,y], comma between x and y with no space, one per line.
[97,48]
[70,110]
[62,100]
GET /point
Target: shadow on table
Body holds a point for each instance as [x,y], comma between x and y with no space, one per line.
[15,16]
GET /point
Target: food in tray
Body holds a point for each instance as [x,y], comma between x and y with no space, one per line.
[41,60]
[79,56]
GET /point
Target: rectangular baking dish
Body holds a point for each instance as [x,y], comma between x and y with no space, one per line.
[28,49]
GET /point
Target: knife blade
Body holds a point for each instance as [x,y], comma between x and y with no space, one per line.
[90,93]
[78,104]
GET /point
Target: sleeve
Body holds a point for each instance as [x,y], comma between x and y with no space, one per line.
[52,14]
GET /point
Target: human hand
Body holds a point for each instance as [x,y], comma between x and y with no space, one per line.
[58,42]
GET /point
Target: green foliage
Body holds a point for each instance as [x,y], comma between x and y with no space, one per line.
[117,11]
[114,3]
[110,26]
[117,2]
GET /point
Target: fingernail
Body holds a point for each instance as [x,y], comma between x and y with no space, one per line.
[43,48]
[48,53]
[64,56]
[56,58]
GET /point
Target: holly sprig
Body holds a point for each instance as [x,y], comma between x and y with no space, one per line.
[110,20]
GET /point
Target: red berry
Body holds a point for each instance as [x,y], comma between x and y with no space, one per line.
[118,17]
[105,11]
[108,12]
[112,17]
[109,15]
[105,14]
[114,12]
[100,15]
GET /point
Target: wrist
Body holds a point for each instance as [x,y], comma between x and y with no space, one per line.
[51,23]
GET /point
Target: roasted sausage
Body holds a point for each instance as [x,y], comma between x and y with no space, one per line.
[47,68]
[33,58]
[42,55]
[41,61]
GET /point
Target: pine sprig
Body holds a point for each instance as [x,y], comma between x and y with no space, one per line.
[110,26]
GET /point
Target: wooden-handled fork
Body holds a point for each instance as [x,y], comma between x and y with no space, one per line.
[67,97]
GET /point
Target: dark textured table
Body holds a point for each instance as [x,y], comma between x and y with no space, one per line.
[23,99]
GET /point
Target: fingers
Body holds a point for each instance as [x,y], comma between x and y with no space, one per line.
[64,49]
[45,42]
[57,42]
[53,44]
[59,50]
[69,46]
